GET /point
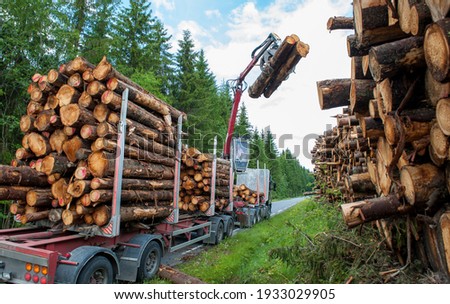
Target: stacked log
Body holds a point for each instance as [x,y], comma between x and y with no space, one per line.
[389,159]
[197,187]
[64,171]
[242,193]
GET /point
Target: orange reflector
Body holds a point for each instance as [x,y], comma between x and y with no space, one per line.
[44,270]
[36,268]
[28,266]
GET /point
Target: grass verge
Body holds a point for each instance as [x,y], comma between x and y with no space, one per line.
[306,244]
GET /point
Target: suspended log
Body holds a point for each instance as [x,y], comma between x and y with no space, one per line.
[334,93]
[102,164]
[300,51]
[388,59]
[21,176]
[272,66]
[437,49]
[361,212]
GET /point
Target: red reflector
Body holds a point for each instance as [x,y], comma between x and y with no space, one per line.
[67,255]
[43,280]
[27,276]
[35,279]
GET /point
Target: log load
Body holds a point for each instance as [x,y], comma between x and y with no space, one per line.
[244,194]
[63,173]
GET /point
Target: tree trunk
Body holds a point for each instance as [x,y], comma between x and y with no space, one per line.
[440,143]
[76,81]
[358,69]
[353,49]
[57,140]
[436,47]
[39,198]
[72,146]
[56,79]
[101,112]
[56,164]
[176,276]
[334,93]
[134,153]
[39,144]
[340,23]
[75,116]
[438,8]
[142,213]
[442,115]
[102,164]
[67,95]
[137,196]
[361,92]
[89,132]
[424,184]
[132,184]
[372,128]
[420,17]
[361,212]
[388,59]
[86,101]
[79,187]
[27,123]
[21,176]
[70,217]
[134,111]
[14,192]
[34,217]
[96,89]
[412,130]
[434,89]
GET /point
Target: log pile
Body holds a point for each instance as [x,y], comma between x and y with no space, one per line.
[242,193]
[388,156]
[64,171]
[197,185]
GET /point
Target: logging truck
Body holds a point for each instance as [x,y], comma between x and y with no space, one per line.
[104,186]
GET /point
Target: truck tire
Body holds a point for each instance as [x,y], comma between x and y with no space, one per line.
[229,228]
[150,262]
[97,271]
[219,232]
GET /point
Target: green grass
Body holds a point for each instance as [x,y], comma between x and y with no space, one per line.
[246,257]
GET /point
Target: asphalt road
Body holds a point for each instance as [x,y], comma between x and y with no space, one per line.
[177,257]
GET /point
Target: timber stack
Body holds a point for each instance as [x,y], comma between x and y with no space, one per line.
[388,156]
[64,171]
[197,182]
[242,193]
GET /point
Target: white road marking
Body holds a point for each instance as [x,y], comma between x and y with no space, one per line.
[190,250]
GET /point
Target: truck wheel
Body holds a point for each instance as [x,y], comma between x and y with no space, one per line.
[97,271]
[219,232]
[150,262]
[258,216]
[229,228]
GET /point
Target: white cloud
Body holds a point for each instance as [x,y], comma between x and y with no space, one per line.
[167,4]
[294,107]
[198,33]
[213,13]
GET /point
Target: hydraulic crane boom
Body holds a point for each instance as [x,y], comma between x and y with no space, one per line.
[239,86]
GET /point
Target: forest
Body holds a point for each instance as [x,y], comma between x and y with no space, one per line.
[138,44]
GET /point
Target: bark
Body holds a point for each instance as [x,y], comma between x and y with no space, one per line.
[340,23]
[14,192]
[47,120]
[358,68]
[353,49]
[34,217]
[420,17]
[176,276]
[422,183]
[133,152]
[334,93]
[272,67]
[39,198]
[388,59]
[27,123]
[132,184]
[361,92]
[372,127]
[134,111]
[300,51]
[438,8]
[55,215]
[102,164]
[412,130]
[138,196]
[361,212]
[21,176]
[437,49]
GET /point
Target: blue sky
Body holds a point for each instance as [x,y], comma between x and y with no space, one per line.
[229,30]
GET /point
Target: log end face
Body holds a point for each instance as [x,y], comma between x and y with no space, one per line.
[437,52]
[443,114]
